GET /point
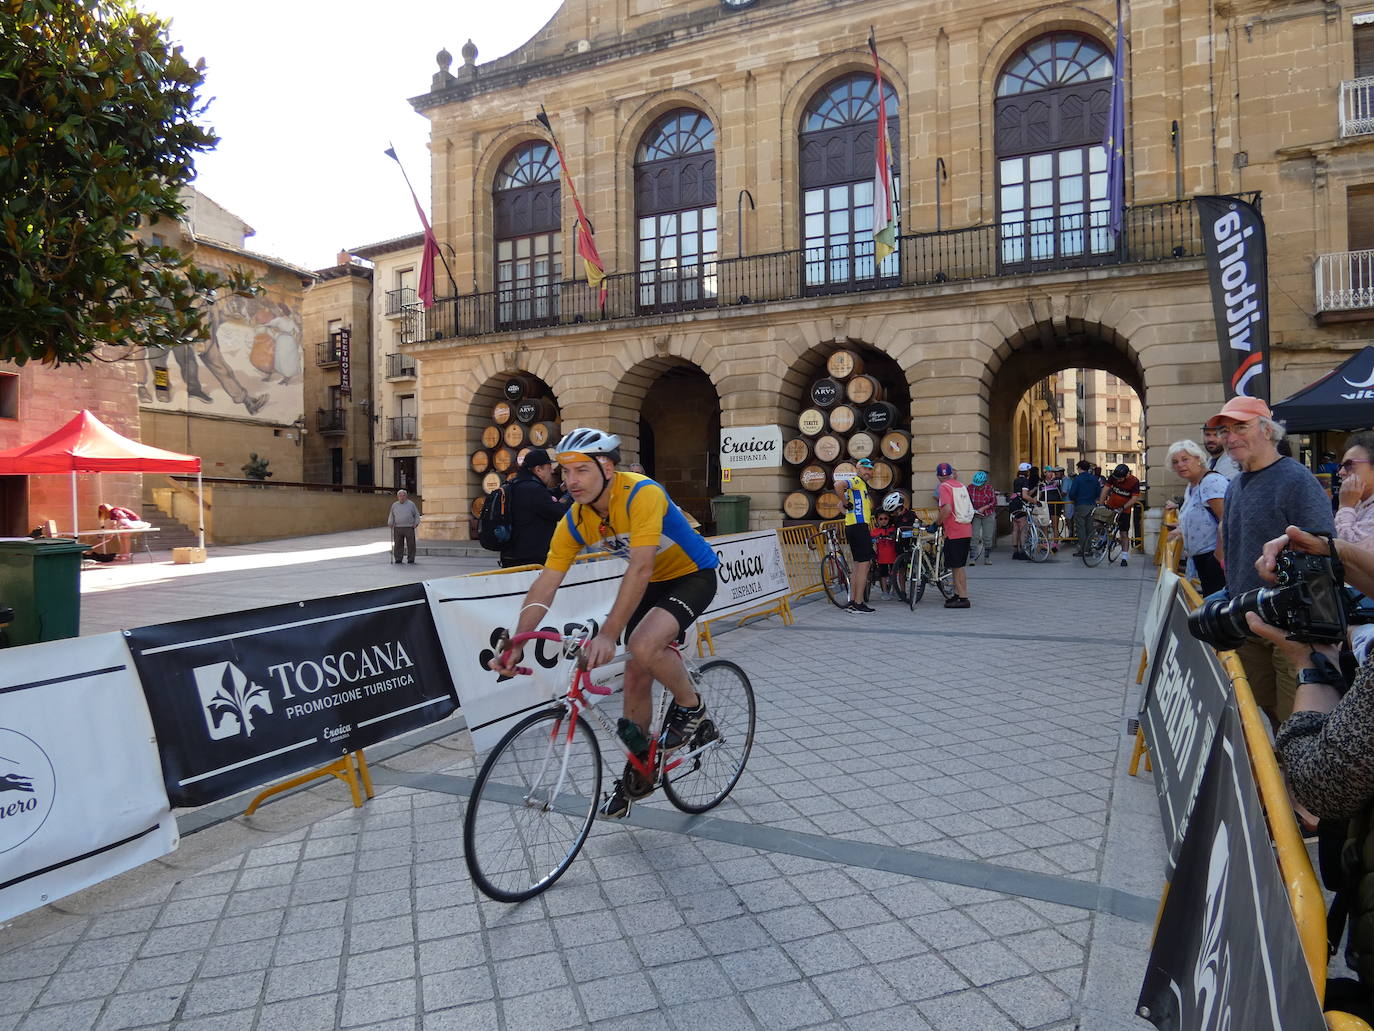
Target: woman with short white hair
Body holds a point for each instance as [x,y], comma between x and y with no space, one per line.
[1199,517]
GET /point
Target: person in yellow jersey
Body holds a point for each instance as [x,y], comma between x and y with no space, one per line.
[670,581]
[858,515]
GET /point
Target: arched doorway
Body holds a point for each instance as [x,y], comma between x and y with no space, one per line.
[510,413]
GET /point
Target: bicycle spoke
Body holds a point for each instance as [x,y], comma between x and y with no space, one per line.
[698,782]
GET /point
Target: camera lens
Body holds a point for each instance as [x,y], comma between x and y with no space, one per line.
[1222,623]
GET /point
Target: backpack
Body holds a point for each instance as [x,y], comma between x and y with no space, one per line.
[494,522]
[963,505]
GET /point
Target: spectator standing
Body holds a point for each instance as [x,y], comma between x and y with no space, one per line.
[534,511]
[1120,493]
[403,518]
[1355,517]
[1082,493]
[1017,501]
[884,536]
[1200,515]
[1052,494]
[1271,494]
[984,499]
[956,516]
[1218,461]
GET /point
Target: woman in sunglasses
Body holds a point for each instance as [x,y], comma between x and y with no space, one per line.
[1355,517]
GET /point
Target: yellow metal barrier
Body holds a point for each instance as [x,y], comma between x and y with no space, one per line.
[801,562]
[342,768]
[1169,521]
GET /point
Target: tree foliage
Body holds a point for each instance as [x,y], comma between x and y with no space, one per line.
[98,133]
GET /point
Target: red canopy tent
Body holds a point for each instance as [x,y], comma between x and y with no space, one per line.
[87,445]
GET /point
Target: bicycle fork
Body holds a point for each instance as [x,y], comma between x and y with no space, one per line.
[532,799]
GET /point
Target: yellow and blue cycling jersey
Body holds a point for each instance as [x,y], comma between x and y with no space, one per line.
[857,509]
[641,514]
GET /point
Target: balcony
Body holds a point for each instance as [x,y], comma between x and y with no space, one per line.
[402,427]
[400,366]
[330,420]
[1357,107]
[1345,286]
[398,300]
[327,352]
[1151,233]
[1045,394]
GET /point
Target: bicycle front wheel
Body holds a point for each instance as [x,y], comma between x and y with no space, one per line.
[835,580]
[532,806]
[975,549]
[901,572]
[1095,548]
[1038,547]
[706,769]
[1113,549]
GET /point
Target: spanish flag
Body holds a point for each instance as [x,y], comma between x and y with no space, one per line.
[884,218]
[586,235]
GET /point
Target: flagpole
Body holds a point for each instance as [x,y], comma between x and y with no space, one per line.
[391,149]
[585,232]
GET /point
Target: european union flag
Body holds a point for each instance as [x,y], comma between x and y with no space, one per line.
[1114,142]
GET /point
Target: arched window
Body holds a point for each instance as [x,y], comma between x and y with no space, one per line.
[838,137]
[1053,99]
[675,208]
[527,204]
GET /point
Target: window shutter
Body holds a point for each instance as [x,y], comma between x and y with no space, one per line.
[1359,205]
[1364,51]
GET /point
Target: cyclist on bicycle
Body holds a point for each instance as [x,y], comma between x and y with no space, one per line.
[858,510]
[670,581]
[1120,493]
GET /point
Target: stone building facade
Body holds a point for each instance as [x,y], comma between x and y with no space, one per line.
[336,441]
[719,151]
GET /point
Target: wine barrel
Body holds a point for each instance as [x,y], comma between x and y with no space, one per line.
[828,505]
[861,445]
[535,409]
[479,503]
[811,421]
[863,389]
[797,505]
[514,434]
[491,436]
[490,482]
[844,469]
[795,452]
[828,447]
[501,412]
[825,393]
[843,364]
[896,444]
[880,417]
[813,478]
[481,461]
[542,434]
[882,476]
[502,459]
[843,418]
[522,385]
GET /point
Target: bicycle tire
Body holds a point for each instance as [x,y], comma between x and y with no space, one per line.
[975,549]
[1039,549]
[835,580]
[515,850]
[705,780]
[918,584]
[1113,550]
[901,569]
[1096,548]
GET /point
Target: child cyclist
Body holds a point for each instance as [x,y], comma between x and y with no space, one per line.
[884,536]
[670,581]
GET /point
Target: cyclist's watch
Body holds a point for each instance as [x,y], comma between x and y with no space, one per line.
[1314,676]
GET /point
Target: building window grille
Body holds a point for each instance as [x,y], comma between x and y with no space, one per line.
[675,207]
[527,206]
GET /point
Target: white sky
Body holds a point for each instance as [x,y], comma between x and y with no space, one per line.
[307,94]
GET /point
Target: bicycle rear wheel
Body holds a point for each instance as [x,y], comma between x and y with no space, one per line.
[517,838]
[1113,549]
[901,570]
[835,580]
[944,579]
[975,549]
[700,782]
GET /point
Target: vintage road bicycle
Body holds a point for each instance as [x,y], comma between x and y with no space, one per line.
[1036,545]
[835,576]
[536,796]
[1103,539]
[922,562]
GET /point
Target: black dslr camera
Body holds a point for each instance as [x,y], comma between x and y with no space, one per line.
[1308,600]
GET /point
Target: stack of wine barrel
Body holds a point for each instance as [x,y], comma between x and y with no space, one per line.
[847,420]
[525,417]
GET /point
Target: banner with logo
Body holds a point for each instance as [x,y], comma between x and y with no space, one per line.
[248,697]
[81,795]
[750,447]
[751,572]
[1184,699]
[345,362]
[1226,953]
[470,613]
[1237,267]
[1161,602]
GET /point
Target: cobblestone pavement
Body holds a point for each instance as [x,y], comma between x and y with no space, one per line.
[935,831]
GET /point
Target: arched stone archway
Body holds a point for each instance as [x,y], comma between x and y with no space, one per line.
[482,418]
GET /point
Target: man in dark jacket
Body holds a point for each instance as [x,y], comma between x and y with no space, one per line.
[534,511]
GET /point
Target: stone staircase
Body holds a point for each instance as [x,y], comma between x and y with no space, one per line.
[171,533]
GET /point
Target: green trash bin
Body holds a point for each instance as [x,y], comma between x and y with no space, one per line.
[41,580]
[731,513]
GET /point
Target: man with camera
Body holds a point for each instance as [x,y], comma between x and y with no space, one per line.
[1270,494]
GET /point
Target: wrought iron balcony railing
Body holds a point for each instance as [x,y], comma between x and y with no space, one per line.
[327,352]
[399,365]
[1161,232]
[401,427]
[397,300]
[330,420]
[1357,107]
[1345,281]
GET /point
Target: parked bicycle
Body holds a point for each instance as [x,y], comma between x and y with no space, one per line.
[922,562]
[537,793]
[1037,544]
[1103,540]
[834,566]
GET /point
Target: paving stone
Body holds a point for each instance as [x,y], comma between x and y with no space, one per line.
[72,1016]
[317,977]
[922,977]
[477,1016]
[543,1011]
[377,1003]
[18,996]
[688,981]
[715,1014]
[787,1006]
[851,992]
[617,997]
[1031,1001]
[963,1010]
[985,963]
[317,1013]
[380,966]
[756,968]
[455,987]
[240,1020]
[515,977]
[797,922]
[82,984]
[218,994]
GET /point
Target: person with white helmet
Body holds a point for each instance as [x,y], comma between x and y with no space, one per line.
[858,513]
[1021,495]
[670,581]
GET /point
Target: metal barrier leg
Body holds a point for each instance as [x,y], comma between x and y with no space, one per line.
[1139,750]
[341,768]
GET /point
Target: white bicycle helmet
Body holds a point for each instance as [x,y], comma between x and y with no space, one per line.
[586,441]
[1024,467]
[892,502]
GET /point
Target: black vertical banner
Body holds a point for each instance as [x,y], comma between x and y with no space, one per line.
[345,362]
[1238,270]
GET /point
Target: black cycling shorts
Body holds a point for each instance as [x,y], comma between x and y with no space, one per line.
[860,541]
[684,598]
[956,552]
[1123,519]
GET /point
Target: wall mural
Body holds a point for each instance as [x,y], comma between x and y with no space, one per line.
[250,366]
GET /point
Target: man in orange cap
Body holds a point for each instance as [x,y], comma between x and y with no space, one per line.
[1271,494]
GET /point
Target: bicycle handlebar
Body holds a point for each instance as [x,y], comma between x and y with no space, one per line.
[506,643]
